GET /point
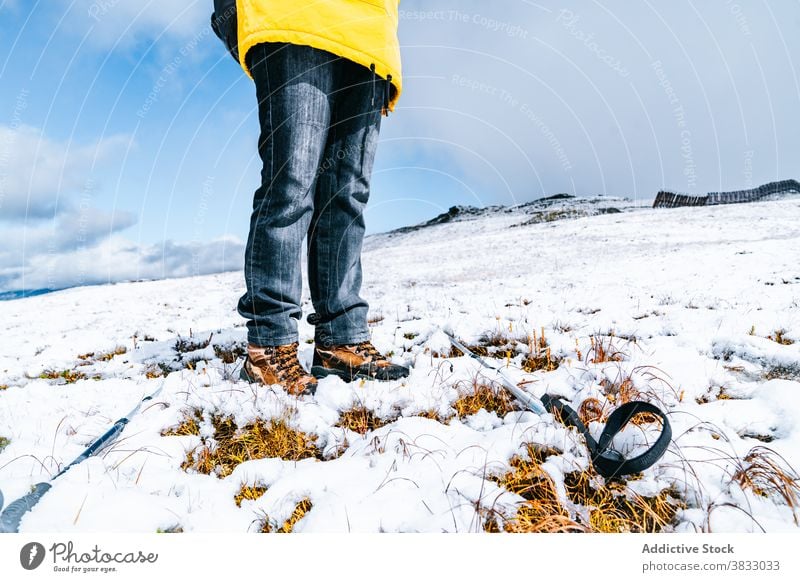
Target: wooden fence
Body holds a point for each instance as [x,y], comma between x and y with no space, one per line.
[672,200]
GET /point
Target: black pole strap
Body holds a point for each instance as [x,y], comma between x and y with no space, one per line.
[610,463]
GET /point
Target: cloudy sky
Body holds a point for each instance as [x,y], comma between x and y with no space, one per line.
[127,134]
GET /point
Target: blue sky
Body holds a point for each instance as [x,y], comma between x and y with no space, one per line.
[127,134]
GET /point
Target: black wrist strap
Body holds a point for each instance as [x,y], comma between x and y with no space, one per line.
[610,463]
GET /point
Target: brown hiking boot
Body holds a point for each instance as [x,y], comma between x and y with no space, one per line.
[355,361]
[277,365]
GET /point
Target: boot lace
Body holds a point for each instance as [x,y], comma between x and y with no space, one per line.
[286,363]
[366,349]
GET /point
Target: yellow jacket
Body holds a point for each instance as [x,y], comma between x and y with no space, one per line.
[363,31]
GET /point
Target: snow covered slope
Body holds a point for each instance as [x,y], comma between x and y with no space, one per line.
[697,309]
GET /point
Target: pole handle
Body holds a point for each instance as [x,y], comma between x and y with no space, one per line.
[12,515]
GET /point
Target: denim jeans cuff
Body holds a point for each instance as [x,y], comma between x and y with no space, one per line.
[323,339]
[268,341]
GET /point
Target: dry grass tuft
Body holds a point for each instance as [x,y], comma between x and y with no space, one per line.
[539,357]
[592,410]
[185,345]
[3,386]
[476,349]
[714,393]
[4,442]
[475,396]
[231,352]
[622,391]
[768,474]
[251,492]
[375,318]
[300,510]
[104,356]
[542,512]
[541,360]
[361,420]
[614,508]
[495,339]
[779,336]
[603,350]
[69,376]
[783,373]
[502,344]
[258,440]
[432,415]
[156,371]
[534,517]
[190,425]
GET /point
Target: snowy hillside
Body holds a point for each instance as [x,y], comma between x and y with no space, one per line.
[697,310]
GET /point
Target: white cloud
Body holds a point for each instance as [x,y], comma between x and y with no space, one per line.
[53,235]
[117,259]
[40,176]
[77,228]
[522,99]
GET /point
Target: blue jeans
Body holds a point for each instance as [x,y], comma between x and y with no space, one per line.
[320,116]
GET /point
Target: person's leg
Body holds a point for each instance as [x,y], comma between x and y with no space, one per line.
[293,84]
[342,190]
[337,231]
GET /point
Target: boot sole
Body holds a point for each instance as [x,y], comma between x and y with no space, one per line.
[322,372]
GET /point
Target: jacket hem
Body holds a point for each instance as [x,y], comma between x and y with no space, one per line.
[322,43]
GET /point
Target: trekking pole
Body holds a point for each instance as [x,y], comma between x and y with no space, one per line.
[529,401]
[13,514]
[606,461]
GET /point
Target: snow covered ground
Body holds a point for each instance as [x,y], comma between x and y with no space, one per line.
[690,298]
